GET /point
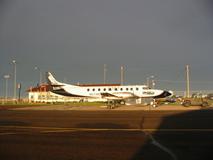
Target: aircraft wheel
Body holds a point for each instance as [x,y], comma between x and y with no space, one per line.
[122,102]
[187,103]
[205,104]
[154,105]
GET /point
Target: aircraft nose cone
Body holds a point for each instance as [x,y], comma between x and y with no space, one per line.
[164,94]
[167,93]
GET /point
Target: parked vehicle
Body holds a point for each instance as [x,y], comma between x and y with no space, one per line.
[204,102]
[167,100]
[210,96]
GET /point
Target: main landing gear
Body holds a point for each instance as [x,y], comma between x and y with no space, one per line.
[111,104]
[154,103]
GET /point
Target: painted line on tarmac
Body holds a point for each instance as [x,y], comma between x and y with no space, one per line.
[162,147]
[129,130]
[65,129]
[6,133]
[90,129]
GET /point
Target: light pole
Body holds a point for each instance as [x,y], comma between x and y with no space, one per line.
[153,84]
[40,74]
[105,71]
[6,77]
[14,62]
[148,81]
[122,75]
[187,82]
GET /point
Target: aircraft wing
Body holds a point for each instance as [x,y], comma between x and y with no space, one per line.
[122,95]
[108,95]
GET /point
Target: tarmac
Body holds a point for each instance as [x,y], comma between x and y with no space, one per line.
[123,107]
[96,132]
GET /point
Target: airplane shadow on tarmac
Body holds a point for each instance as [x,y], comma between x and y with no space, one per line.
[184,136]
[175,136]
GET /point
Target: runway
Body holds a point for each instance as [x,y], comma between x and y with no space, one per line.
[108,134]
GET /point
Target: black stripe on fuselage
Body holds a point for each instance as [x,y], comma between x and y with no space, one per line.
[64,93]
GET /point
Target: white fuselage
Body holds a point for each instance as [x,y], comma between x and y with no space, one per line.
[108,91]
[112,92]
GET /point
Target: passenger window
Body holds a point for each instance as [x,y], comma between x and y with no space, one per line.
[88,90]
[93,89]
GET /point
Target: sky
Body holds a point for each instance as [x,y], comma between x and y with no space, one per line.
[73,39]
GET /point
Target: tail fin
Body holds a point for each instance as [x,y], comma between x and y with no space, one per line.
[51,80]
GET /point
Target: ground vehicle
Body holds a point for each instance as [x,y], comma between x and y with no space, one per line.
[168,100]
[210,96]
[204,102]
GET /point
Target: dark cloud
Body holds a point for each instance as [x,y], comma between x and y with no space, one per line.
[75,38]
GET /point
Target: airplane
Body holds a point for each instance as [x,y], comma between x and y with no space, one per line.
[113,93]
